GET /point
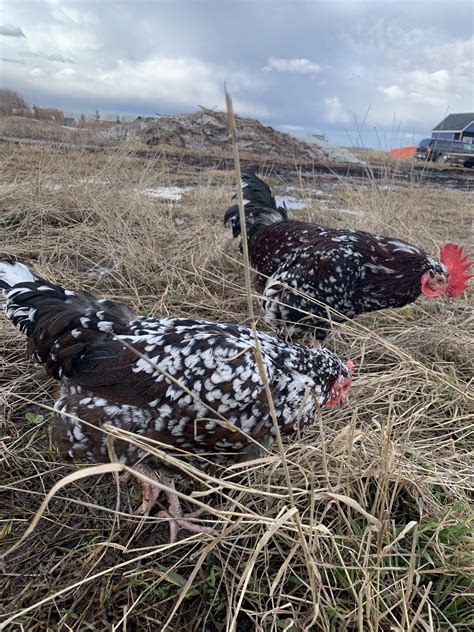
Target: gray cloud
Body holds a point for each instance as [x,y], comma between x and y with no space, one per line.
[50,57]
[8,30]
[59,58]
[394,65]
[8,60]
[300,66]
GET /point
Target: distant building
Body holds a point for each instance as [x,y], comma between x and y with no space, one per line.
[28,112]
[456,127]
[319,136]
[49,114]
[69,121]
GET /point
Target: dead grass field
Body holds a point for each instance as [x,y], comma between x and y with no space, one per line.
[383,485]
[21,127]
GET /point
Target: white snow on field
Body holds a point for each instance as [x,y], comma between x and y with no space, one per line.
[166,193]
[91,180]
[291,202]
[332,152]
[351,211]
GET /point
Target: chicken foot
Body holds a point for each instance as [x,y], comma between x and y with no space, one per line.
[178,520]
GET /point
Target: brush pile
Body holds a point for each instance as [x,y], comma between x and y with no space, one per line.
[207,131]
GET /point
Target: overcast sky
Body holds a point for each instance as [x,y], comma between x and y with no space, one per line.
[390,69]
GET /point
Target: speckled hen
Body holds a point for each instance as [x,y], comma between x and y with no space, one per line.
[304,267]
[190,376]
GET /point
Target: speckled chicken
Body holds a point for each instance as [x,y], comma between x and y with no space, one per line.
[304,267]
[190,375]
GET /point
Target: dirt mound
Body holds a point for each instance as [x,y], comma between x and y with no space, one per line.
[332,152]
[207,130]
[134,130]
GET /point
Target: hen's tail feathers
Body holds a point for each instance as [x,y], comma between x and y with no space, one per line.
[260,206]
[12,272]
[60,323]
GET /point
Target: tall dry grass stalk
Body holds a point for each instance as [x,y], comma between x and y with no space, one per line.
[377,492]
[310,563]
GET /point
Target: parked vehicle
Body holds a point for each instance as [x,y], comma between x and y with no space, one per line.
[439,150]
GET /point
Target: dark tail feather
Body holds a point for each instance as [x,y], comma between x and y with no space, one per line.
[13,276]
[60,323]
[257,192]
[13,272]
[260,206]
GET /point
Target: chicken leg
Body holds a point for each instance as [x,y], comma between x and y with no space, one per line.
[177,518]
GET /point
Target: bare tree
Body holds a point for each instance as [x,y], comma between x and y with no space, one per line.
[11,100]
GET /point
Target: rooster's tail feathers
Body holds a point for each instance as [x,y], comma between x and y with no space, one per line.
[260,206]
[257,192]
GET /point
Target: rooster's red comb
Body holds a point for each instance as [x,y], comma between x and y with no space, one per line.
[456,263]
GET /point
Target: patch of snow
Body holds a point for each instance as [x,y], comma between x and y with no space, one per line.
[122,131]
[332,152]
[291,202]
[331,205]
[166,193]
[91,180]
[351,211]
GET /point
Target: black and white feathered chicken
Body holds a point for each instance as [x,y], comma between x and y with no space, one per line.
[198,373]
[305,267]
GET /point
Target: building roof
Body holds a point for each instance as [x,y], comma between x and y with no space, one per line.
[455,122]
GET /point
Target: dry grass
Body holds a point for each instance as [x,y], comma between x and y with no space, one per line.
[382,485]
[32,129]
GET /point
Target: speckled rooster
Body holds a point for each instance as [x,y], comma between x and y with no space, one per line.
[190,375]
[351,271]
